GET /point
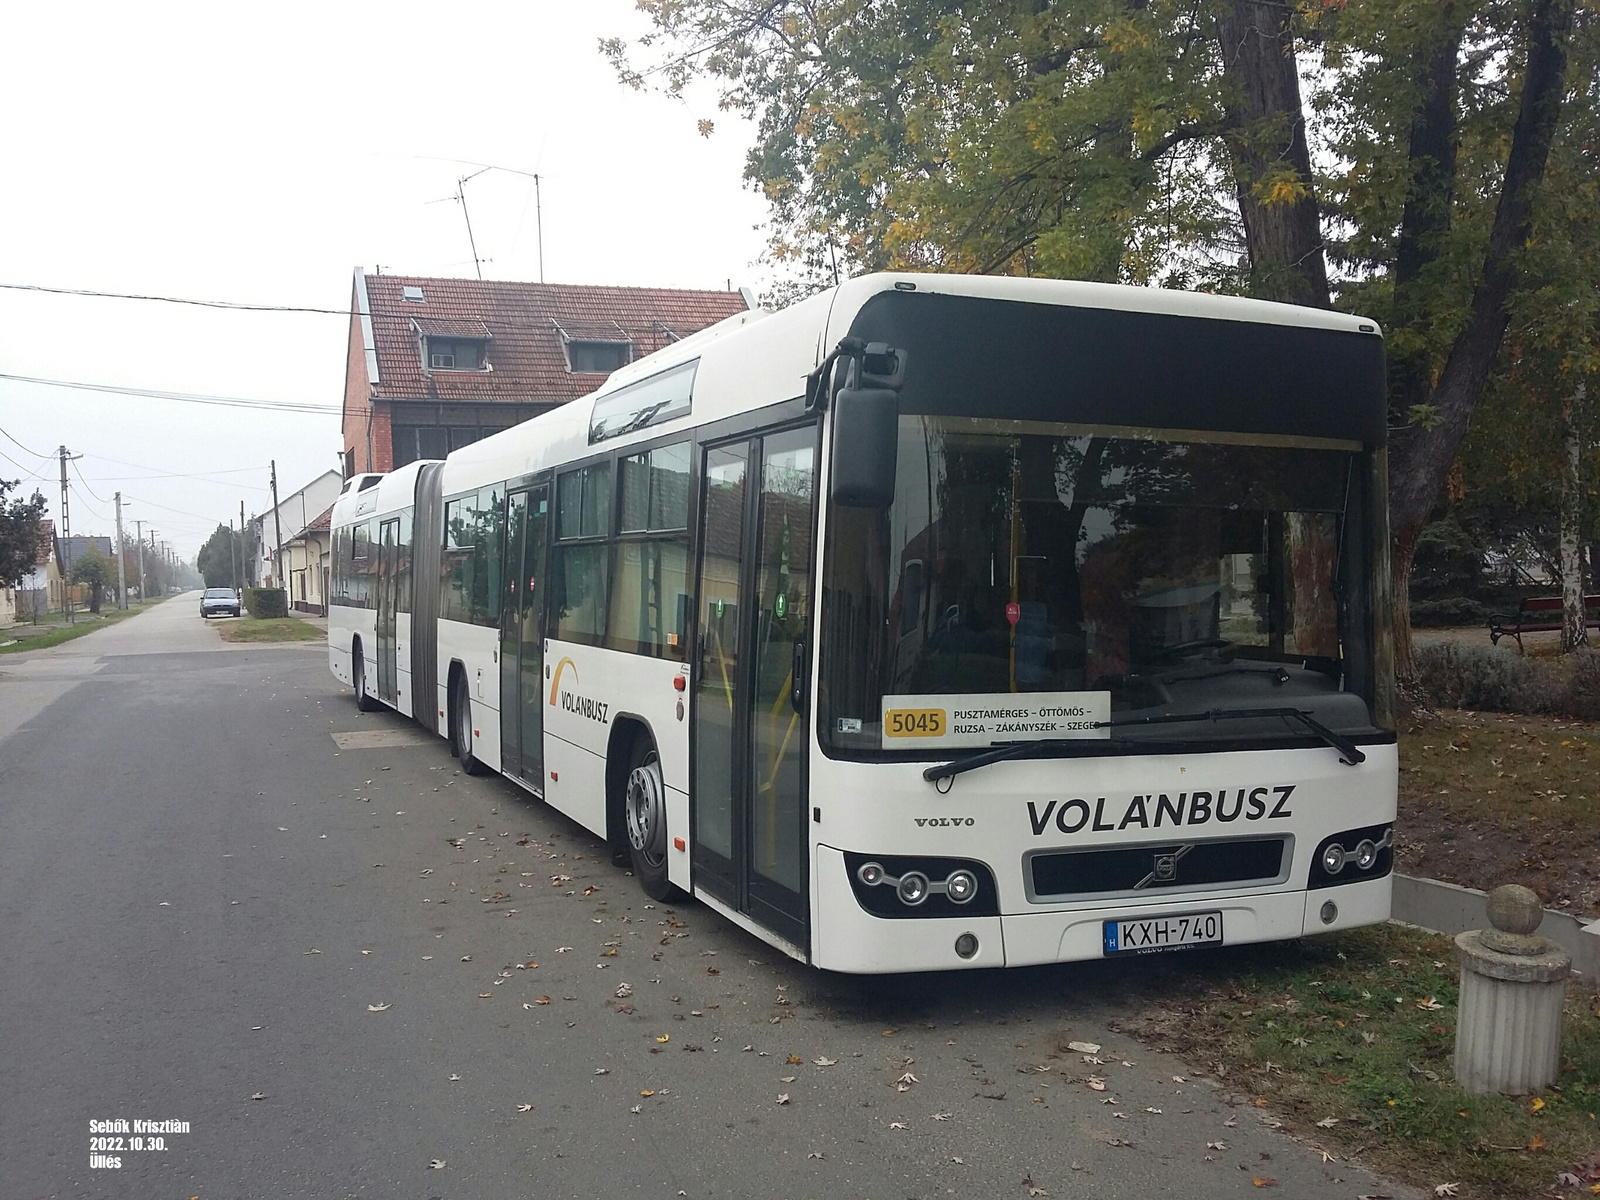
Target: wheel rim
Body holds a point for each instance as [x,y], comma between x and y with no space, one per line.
[646,812]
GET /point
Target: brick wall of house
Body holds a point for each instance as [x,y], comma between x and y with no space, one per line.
[382,436]
[356,391]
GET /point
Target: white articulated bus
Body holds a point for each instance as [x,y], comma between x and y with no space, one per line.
[933,622]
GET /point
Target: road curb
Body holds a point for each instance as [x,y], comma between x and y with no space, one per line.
[1449,908]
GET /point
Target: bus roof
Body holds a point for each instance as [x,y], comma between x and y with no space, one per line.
[758,357]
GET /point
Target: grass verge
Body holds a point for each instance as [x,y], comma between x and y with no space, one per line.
[56,631]
[271,629]
[1490,798]
[1346,1043]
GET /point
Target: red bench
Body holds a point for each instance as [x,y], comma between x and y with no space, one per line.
[1539,614]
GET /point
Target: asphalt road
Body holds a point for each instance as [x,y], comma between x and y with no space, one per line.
[214,914]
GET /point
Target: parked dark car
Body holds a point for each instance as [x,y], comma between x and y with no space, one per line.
[219,601]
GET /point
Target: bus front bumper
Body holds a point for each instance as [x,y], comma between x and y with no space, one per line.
[850,939]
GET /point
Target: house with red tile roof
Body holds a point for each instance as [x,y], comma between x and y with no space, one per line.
[308,560]
[435,364]
[41,591]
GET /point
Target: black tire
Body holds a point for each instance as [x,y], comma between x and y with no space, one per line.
[644,820]
[365,700]
[461,729]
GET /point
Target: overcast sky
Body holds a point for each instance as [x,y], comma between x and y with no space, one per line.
[208,152]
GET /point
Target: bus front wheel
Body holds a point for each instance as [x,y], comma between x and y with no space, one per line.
[645,815]
[461,728]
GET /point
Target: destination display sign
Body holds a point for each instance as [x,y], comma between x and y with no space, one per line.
[993,718]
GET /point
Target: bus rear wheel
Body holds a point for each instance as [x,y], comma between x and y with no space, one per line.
[365,700]
[644,809]
[461,728]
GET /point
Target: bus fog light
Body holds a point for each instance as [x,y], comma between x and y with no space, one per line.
[1333,859]
[961,887]
[870,874]
[913,888]
[967,945]
[1366,854]
[1330,912]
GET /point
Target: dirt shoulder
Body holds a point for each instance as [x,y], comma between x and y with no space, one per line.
[1492,798]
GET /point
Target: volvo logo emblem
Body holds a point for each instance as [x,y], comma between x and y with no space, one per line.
[1165,868]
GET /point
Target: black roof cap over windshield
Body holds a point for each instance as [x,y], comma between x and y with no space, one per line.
[971,356]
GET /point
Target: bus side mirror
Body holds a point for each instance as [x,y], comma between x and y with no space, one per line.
[866,440]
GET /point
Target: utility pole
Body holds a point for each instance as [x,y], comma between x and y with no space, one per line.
[66,535]
[139,530]
[242,546]
[122,571]
[233,555]
[277,531]
[538,216]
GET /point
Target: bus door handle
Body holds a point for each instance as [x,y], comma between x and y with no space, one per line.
[797,694]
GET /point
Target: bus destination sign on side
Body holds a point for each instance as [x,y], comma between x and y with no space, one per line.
[991,718]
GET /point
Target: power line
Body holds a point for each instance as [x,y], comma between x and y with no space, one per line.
[20,446]
[246,306]
[182,512]
[185,397]
[85,483]
[35,473]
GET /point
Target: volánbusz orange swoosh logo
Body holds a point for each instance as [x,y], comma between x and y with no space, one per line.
[556,682]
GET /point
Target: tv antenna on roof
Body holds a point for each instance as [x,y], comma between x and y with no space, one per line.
[461,198]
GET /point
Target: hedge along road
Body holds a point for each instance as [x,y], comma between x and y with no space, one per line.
[343,966]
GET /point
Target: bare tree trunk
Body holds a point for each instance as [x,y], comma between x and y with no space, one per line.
[1573,634]
[1420,458]
[1271,161]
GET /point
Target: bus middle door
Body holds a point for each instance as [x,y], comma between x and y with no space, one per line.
[388,544]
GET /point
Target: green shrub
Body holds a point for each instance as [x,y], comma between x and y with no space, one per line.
[1496,679]
[1453,610]
[1459,675]
[266,602]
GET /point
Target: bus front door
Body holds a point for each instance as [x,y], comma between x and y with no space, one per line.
[521,638]
[750,736]
[388,550]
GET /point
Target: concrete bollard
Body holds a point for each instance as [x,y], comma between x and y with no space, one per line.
[1513,986]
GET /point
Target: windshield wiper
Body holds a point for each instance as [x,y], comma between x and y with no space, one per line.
[1349,753]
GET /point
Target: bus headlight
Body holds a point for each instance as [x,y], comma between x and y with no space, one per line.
[1369,849]
[912,888]
[922,886]
[1333,858]
[961,886]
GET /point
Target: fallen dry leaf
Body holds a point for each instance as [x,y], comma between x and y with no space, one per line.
[1327,1122]
[1263,1181]
[1084,1047]
[783,1097]
[378,1007]
[1447,1189]
[436,1164]
[825,1062]
[524,1108]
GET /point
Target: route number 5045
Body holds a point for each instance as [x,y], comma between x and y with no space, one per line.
[914,722]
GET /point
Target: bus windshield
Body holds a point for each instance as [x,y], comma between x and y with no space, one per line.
[1159,572]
